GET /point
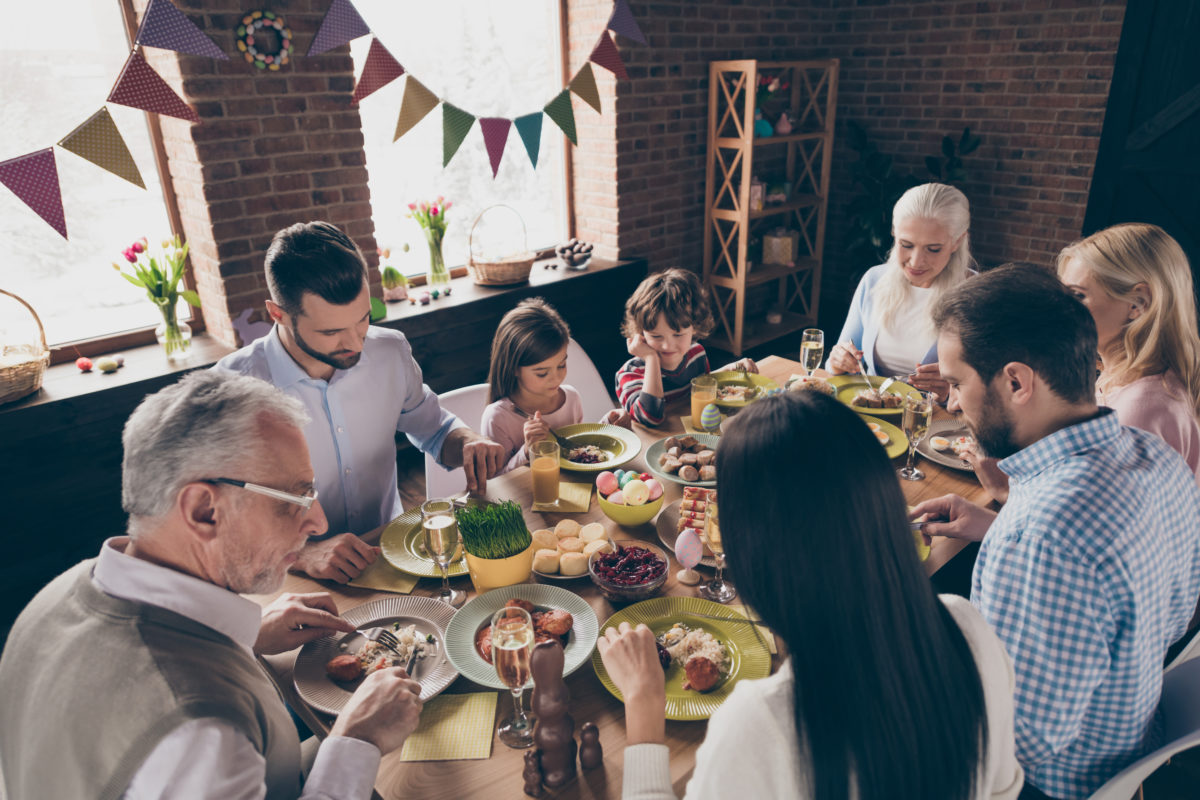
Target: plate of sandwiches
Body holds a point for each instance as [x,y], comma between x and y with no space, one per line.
[945,443]
[687,513]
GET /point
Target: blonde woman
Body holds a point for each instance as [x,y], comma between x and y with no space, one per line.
[889,325]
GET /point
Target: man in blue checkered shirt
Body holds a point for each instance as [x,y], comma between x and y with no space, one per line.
[1092,568]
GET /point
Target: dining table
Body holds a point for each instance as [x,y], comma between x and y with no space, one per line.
[500,775]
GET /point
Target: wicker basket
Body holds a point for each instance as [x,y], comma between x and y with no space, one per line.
[22,365]
[504,272]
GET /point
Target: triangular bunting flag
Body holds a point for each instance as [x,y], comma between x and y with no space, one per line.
[622,22]
[380,70]
[418,101]
[456,124]
[584,85]
[165,26]
[559,109]
[34,179]
[495,136]
[341,24]
[530,128]
[140,87]
[606,55]
[99,141]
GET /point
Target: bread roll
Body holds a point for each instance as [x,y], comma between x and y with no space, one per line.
[689,460]
[708,473]
[544,540]
[593,531]
[573,564]
[565,528]
[603,545]
[571,544]
[689,473]
[546,560]
[705,457]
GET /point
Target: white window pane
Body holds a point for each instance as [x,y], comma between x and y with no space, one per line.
[51,84]
[491,59]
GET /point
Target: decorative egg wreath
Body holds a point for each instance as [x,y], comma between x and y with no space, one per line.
[248,34]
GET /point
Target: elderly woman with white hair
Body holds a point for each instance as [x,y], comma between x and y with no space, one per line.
[889,328]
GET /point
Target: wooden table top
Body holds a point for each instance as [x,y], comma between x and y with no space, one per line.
[500,775]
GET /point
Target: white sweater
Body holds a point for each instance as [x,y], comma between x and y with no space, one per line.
[751,747]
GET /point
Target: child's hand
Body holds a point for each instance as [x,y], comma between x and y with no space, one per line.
[742,365]
[535,430]
[619,417]
[639,348]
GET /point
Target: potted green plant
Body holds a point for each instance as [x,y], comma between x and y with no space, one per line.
[497,543]
[395,285]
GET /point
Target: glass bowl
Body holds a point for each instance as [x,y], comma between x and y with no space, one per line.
[629,593]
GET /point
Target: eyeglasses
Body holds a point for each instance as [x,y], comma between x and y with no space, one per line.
[303,500]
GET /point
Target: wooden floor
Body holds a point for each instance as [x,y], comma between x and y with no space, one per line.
[1179,780]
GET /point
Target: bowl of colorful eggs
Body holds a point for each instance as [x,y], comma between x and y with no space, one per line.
[628,497]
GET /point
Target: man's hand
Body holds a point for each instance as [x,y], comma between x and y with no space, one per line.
[296,619]
[535,430]
[741,365]
[384,710]
[619,417]
[953,516]
[638,347]
[843,359]
[990,476]
[340,558]
[480,457]
[928,378]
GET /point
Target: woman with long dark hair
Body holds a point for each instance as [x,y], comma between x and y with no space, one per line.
[889,691]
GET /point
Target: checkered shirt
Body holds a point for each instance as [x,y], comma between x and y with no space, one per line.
[1089,573]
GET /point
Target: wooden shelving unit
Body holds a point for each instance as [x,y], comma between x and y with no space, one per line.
[729,222]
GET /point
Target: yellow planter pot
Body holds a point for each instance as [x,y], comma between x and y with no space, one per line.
[492,573]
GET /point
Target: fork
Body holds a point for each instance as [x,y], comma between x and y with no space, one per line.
[383,636]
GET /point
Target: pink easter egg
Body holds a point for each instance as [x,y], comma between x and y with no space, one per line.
[616,498]
[656,489]
[688,549]
[606,482]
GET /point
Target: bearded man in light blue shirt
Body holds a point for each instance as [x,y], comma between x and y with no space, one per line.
[360,385]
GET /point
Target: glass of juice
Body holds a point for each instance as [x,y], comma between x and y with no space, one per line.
[704,391]
[512,644]
[439,528]
[543,462]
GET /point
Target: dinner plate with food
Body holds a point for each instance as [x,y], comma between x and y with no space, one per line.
[736,389]
[854,391]
[811,383]
[561,553]
[892,438]
[946,442]
[328,670]
[402,544]
[687,513]
[690,459]
[702,649]
[557,614]
[597,446]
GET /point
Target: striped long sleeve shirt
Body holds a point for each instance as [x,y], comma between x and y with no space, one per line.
[647,408]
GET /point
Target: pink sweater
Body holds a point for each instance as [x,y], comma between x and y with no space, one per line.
[1159,404]
[505,425]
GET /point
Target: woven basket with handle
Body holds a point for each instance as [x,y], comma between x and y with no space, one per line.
[23,365]
[503,272]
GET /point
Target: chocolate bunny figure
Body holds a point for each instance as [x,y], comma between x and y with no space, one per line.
[554,731]
[591,754]
[533,773]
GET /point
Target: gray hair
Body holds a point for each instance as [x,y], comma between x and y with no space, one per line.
[207,425]
[948,207]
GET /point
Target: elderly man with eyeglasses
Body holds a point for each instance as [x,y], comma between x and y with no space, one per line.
[133,674]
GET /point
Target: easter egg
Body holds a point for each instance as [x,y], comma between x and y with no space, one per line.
[710,417]
[616,498]
[645,476]
[688,549]
[636,492]
[607,482]
[656,488]
[626,478]
[84,363]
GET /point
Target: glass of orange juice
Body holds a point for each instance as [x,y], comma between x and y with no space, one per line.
[704,391]
[543,461]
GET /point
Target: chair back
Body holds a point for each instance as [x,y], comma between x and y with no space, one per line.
[1190,650]
[1180,706]
[467,404]
[592,388]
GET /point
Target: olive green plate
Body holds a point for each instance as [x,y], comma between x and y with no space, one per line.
[897,442]
[849,385]
[403,547]
[760,382]
[620,445]
[749,656]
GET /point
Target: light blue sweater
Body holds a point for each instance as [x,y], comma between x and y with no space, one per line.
[862,323]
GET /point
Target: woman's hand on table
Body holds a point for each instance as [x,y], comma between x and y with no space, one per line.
[296,619]
[384,710]
[630,656]
[952,516]
[843,359]
[990,476]
[928,378]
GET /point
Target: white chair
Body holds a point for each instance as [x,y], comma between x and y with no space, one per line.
[592,388]
[1180,704]
[467,404]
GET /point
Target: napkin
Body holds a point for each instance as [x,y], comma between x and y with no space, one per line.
[763,630]
[453,727]
[382,576]
[573,498]
[686,422]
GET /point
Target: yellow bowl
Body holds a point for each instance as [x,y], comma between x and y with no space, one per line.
[630,516]
[493,573]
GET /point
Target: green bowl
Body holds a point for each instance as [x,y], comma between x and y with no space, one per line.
[630,516]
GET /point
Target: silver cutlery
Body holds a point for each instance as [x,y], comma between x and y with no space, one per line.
[383,636]
[728,619]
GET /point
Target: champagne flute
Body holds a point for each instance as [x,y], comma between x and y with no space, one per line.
[918,409]
[718,589]
[812,348]
[440,528]
[512,644]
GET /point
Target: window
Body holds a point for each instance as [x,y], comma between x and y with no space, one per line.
[54,80]
[491,59]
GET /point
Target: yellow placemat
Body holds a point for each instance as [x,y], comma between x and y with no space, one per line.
[573,498]
[688,427]
[763,630]
[382,576]
[453,727]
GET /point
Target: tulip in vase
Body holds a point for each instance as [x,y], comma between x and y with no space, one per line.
[432,219]
[160,277]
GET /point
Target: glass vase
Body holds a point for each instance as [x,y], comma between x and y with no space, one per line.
[173,335]
[438,276]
